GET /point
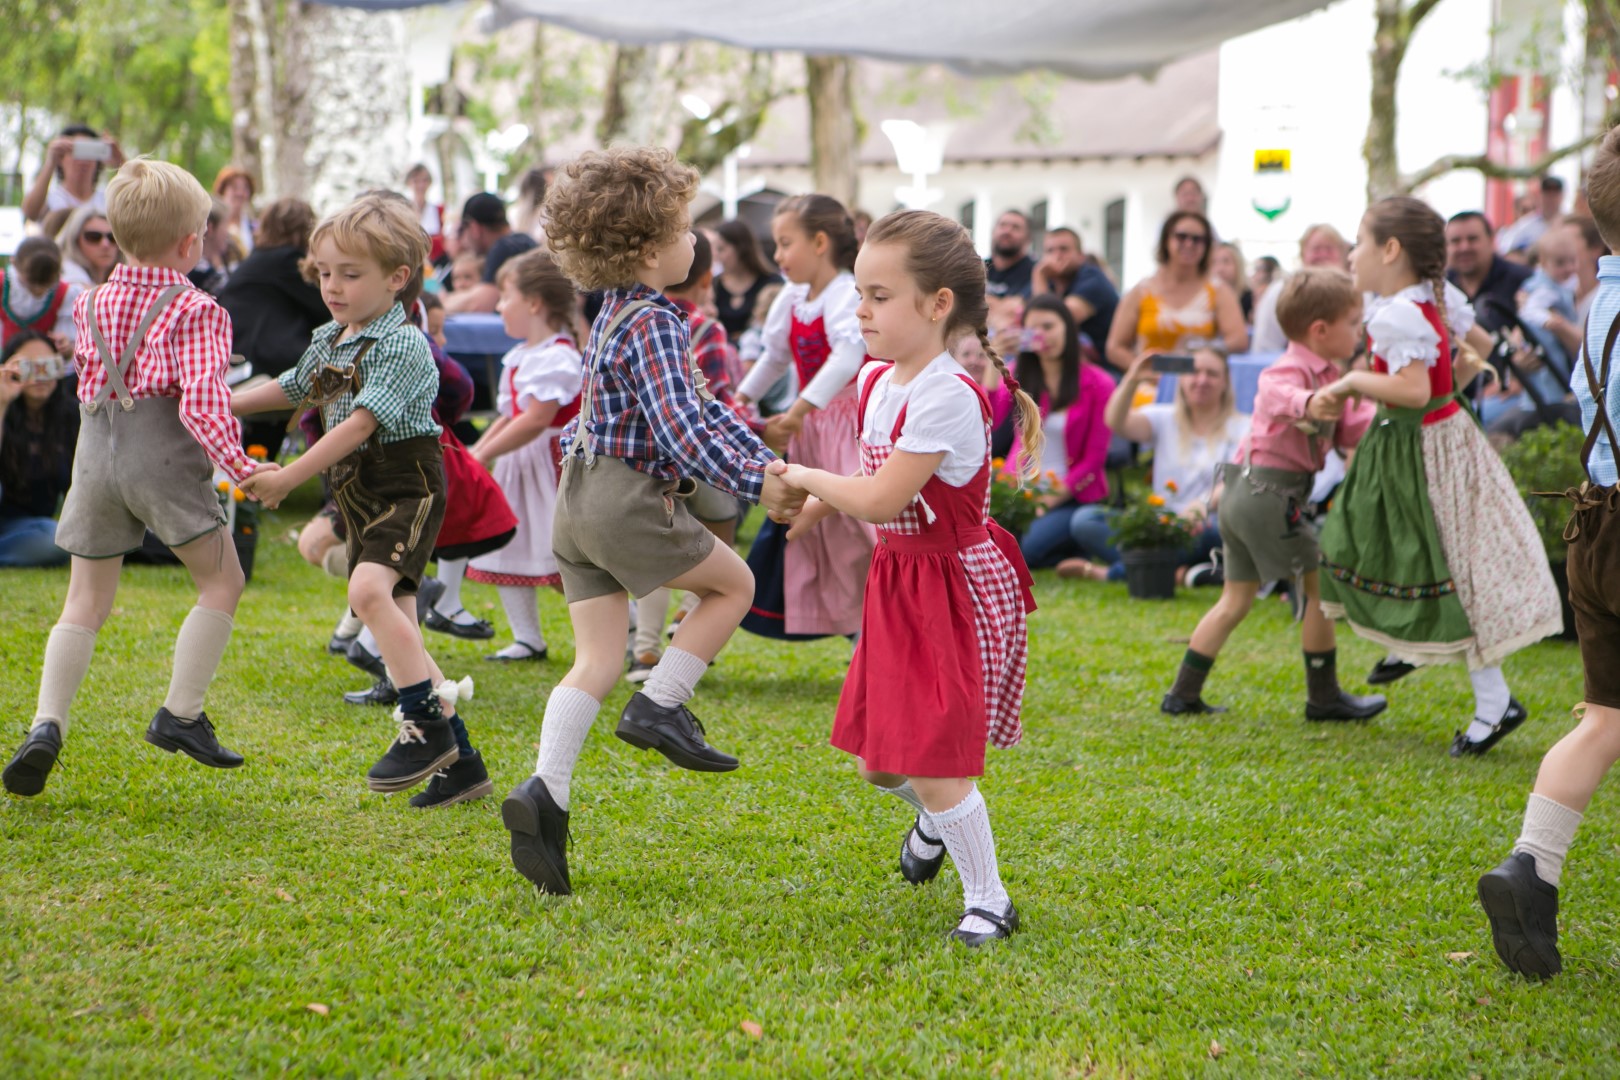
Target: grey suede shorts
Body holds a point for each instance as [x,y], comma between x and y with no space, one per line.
[1263,526]
[134,470]
[617,529]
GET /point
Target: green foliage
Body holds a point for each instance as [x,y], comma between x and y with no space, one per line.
[1547,459]
[1015,508]
[1146,525]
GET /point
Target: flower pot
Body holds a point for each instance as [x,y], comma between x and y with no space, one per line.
[1151,574]
[1560,573]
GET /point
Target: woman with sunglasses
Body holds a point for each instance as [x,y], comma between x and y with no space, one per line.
[1179,302]
[89,251]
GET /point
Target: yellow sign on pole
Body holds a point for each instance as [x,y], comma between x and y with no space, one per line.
[1272,183]
[1272,161]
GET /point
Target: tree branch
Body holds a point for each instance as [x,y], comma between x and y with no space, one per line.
[1599,15]
[1495,170]
[1419,11]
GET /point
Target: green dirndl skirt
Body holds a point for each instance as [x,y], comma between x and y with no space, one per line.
[1383,569]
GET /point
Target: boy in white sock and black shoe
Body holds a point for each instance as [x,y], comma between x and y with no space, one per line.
[620,221]
[1520,897]
[152,351]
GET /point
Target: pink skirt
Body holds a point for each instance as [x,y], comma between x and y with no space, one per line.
[824,572]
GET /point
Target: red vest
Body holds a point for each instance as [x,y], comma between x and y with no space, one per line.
[44,322]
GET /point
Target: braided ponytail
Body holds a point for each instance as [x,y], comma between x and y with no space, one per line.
[1031,437]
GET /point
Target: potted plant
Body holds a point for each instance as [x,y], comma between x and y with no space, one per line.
[1151,540]
[1015,508]
[1548,459]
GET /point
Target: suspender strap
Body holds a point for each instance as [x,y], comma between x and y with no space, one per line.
[1599,385]
[118,372]
[587,397]
[329,384]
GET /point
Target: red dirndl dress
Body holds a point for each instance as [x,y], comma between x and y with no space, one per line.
[939,668]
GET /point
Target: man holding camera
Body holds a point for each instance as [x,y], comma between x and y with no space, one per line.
[74,159]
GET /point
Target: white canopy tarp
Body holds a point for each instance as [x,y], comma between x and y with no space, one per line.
[1088,39]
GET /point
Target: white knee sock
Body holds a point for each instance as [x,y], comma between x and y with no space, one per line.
[449,604]
[368,641]
[67,660]
[1491,699]
[674,680]
[569,716]
[336,561]
[651,611]
[1549,829]
[965,829]
[919,847]
[349,625]
[522,606]
[198,649]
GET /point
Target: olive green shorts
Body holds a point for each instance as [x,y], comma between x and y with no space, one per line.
[1263,526]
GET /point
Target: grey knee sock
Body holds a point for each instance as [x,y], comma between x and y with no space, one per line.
[1549,829]
[67,659]
[198,649]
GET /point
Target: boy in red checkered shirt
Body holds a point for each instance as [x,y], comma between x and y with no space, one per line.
[152,352]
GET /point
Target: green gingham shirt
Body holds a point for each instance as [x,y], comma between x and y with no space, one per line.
[398,379]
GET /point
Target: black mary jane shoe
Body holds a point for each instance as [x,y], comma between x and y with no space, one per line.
[479,630]
[1004,925]
[534,655]
[34,760]
[1463,746]
[913,867]
[1177,706]
[1388,670]
[1348,707]
[195,739]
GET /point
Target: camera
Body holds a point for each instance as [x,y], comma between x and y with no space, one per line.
[39,368]
[92,150]
[1174,365]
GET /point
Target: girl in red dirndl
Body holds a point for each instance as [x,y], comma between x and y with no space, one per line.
[939,667]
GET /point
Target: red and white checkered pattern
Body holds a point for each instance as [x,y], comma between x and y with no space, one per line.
[185,355]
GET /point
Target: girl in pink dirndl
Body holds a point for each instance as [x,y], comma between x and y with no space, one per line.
[812,325]
[939,667]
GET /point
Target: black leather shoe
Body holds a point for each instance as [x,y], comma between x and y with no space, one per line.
[1348,707]
[382,692]
[339,645]
[464,781]
[539,836]
[421,748]
[675,733]
[913,867]
[1462,746]
[195,739]
[1004,925]
[1176,706]
[444,624]
[1387,671]
[366,660]
[533,654]
[427,594]
[34,759]
[1523,911]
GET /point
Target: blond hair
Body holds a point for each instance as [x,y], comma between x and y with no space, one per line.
[1228,403]
[385,229]
[1603,188]
[610,209]
[152,205]
[940,255]
[1314,292]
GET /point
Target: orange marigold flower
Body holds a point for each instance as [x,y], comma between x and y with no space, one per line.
[236,493]
[1028,494]
[223,485]
[998,463]
[257,452]
[1155,500]
[1170,486]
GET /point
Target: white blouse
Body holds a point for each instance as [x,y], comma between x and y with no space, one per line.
[836,308]
[1401,334]
[943,414]
[550,371]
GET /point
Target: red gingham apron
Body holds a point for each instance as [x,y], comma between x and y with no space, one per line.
[940,664]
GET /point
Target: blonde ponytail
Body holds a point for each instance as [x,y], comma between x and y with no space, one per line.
[1031,437]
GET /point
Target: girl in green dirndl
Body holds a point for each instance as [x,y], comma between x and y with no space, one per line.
[1429,550]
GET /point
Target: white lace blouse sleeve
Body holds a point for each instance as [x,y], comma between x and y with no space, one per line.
[1401,334]
[843,331]
[1459,313]
[777,352]
[943,415]
[554,374]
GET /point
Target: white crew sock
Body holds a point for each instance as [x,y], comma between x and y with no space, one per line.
[919,847]
[568,719]
[198,649]
[965,829]
[650,613]
[349,625]
[522,606]
[674,679]
[1549,829]
[449,604]
[1491,700]
[68,650]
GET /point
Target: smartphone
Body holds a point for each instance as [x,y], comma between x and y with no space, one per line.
[39,368]
[92,150]
[1174,365]
[1031,341]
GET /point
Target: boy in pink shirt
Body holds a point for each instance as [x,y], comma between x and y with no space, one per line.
[1263,527]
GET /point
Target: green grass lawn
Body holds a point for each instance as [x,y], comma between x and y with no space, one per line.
[1247,895]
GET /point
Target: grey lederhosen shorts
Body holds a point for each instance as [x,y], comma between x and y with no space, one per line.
[1263,525]
[712,506]
[617,529]
[134,470]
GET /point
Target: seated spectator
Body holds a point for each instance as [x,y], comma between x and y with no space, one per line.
[1072,395]
[211,271]
[969,352]
[433,314]
[1064,271]
[1265,272]
[1009,269]
[39,427]
[486,232]
[235,188]
[70,175]
[1227,265]
[1489,282]
[527,213]
[88,248]
[740,275]
[1179,303]
[1190,196]
[417,181]
[1190,440]
[1589,247]
[466,272]
[1539,213]
[34,296]
[1322,245]
[1547,314]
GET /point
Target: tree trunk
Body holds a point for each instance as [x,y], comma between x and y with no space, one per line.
[833,138]
[1389,49]
[245,130]
[625,100]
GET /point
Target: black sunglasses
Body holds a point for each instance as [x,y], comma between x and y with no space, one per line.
[96,236]
[1189,238]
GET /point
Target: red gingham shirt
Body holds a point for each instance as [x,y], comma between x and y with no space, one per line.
[184,356]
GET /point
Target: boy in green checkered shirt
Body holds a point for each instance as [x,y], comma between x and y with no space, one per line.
[372,375]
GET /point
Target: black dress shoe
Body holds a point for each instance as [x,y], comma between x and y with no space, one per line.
[1523,911]
[1388,670]
[675,733]
[1462,745]
[427,594]
[1003,924]
[913,867]
[339,645]
[422,747]
[367,661]
[533,654]
[34,759]
[196,739]
[1176,706]
[539,836]
[1348,707]
[445,624]
[464,781]
[382,692]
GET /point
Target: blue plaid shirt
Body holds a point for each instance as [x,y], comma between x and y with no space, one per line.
[646,407]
